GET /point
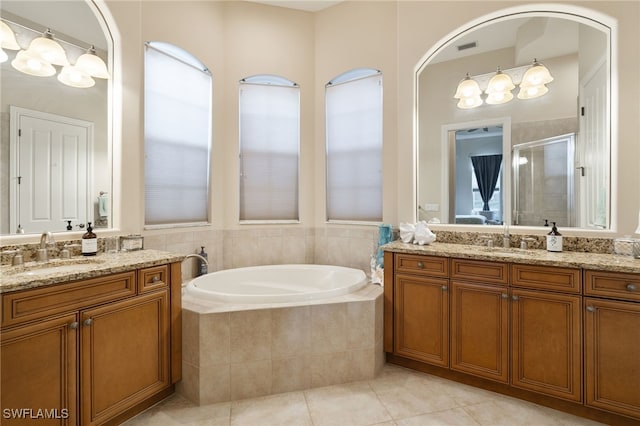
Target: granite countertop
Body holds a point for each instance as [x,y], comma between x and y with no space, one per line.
[571,259]
[56,271]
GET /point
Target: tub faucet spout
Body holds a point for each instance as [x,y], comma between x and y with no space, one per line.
[197,256]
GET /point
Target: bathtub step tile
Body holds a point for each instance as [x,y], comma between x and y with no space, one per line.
[290,332]
[329,369]
[250,335]
[361,329]
[328,328]
[214,339]
[290,374]
[250,379]
[283,409]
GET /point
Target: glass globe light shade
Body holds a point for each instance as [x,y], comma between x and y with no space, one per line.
[3,56]
[497,98]
[532,92]
[92,64]
[470,102]
[75,77]
[500,82]
[467,88]
[8,38]
[48,50]
[26,63]
[536,75]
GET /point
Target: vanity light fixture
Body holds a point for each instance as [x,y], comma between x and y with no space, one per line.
[468,93]
[7,41]
[499,89]
[44,52]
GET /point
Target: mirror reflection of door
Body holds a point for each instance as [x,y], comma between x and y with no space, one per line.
[543,174]
[50,171]
[477,175]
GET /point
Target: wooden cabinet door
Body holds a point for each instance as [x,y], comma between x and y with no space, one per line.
[124,355]
[546,343]
[39,371]
[612,356]
[480,330]
[421,320]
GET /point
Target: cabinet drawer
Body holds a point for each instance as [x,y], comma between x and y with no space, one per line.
[480,270]
[612,284]
[153,278]
[28,305]
[428,265]
[546,278]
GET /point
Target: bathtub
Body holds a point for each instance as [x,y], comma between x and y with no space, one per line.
[277,283]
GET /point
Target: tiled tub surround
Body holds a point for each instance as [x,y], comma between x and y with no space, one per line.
[232,352]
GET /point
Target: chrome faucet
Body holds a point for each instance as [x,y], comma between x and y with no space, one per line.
[43,254]
[197,256]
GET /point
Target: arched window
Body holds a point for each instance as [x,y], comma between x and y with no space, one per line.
[177,136]
[269,148]
[354,146]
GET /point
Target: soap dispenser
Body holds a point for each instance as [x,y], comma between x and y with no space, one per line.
[554,239]
[89,242]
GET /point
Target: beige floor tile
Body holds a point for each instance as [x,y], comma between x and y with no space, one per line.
[453,417]
[509,413]
[282,409]
[151,418]
[349,404]
[413,396]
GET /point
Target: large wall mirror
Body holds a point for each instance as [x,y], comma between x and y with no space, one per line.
[540,151]
[55,139]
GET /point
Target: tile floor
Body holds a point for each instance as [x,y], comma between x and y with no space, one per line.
[397,397]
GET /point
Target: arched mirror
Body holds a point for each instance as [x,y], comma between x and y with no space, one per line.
[55,140]
[519,152]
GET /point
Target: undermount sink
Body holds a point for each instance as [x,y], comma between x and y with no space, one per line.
[52,266]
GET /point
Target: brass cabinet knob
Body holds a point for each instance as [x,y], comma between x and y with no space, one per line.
[591,309]
[155,279]
[87,322]
[420,265]
[631,287]
[73,325]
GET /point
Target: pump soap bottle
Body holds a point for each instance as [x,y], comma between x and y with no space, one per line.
[89,242]
[554,239]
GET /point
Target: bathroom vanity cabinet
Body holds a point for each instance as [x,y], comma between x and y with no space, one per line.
[94,351]
[524,327]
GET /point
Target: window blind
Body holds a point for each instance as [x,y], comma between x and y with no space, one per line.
[269,151]
[354,149]
[177,131]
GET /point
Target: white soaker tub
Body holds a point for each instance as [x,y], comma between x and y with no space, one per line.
[277,283]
